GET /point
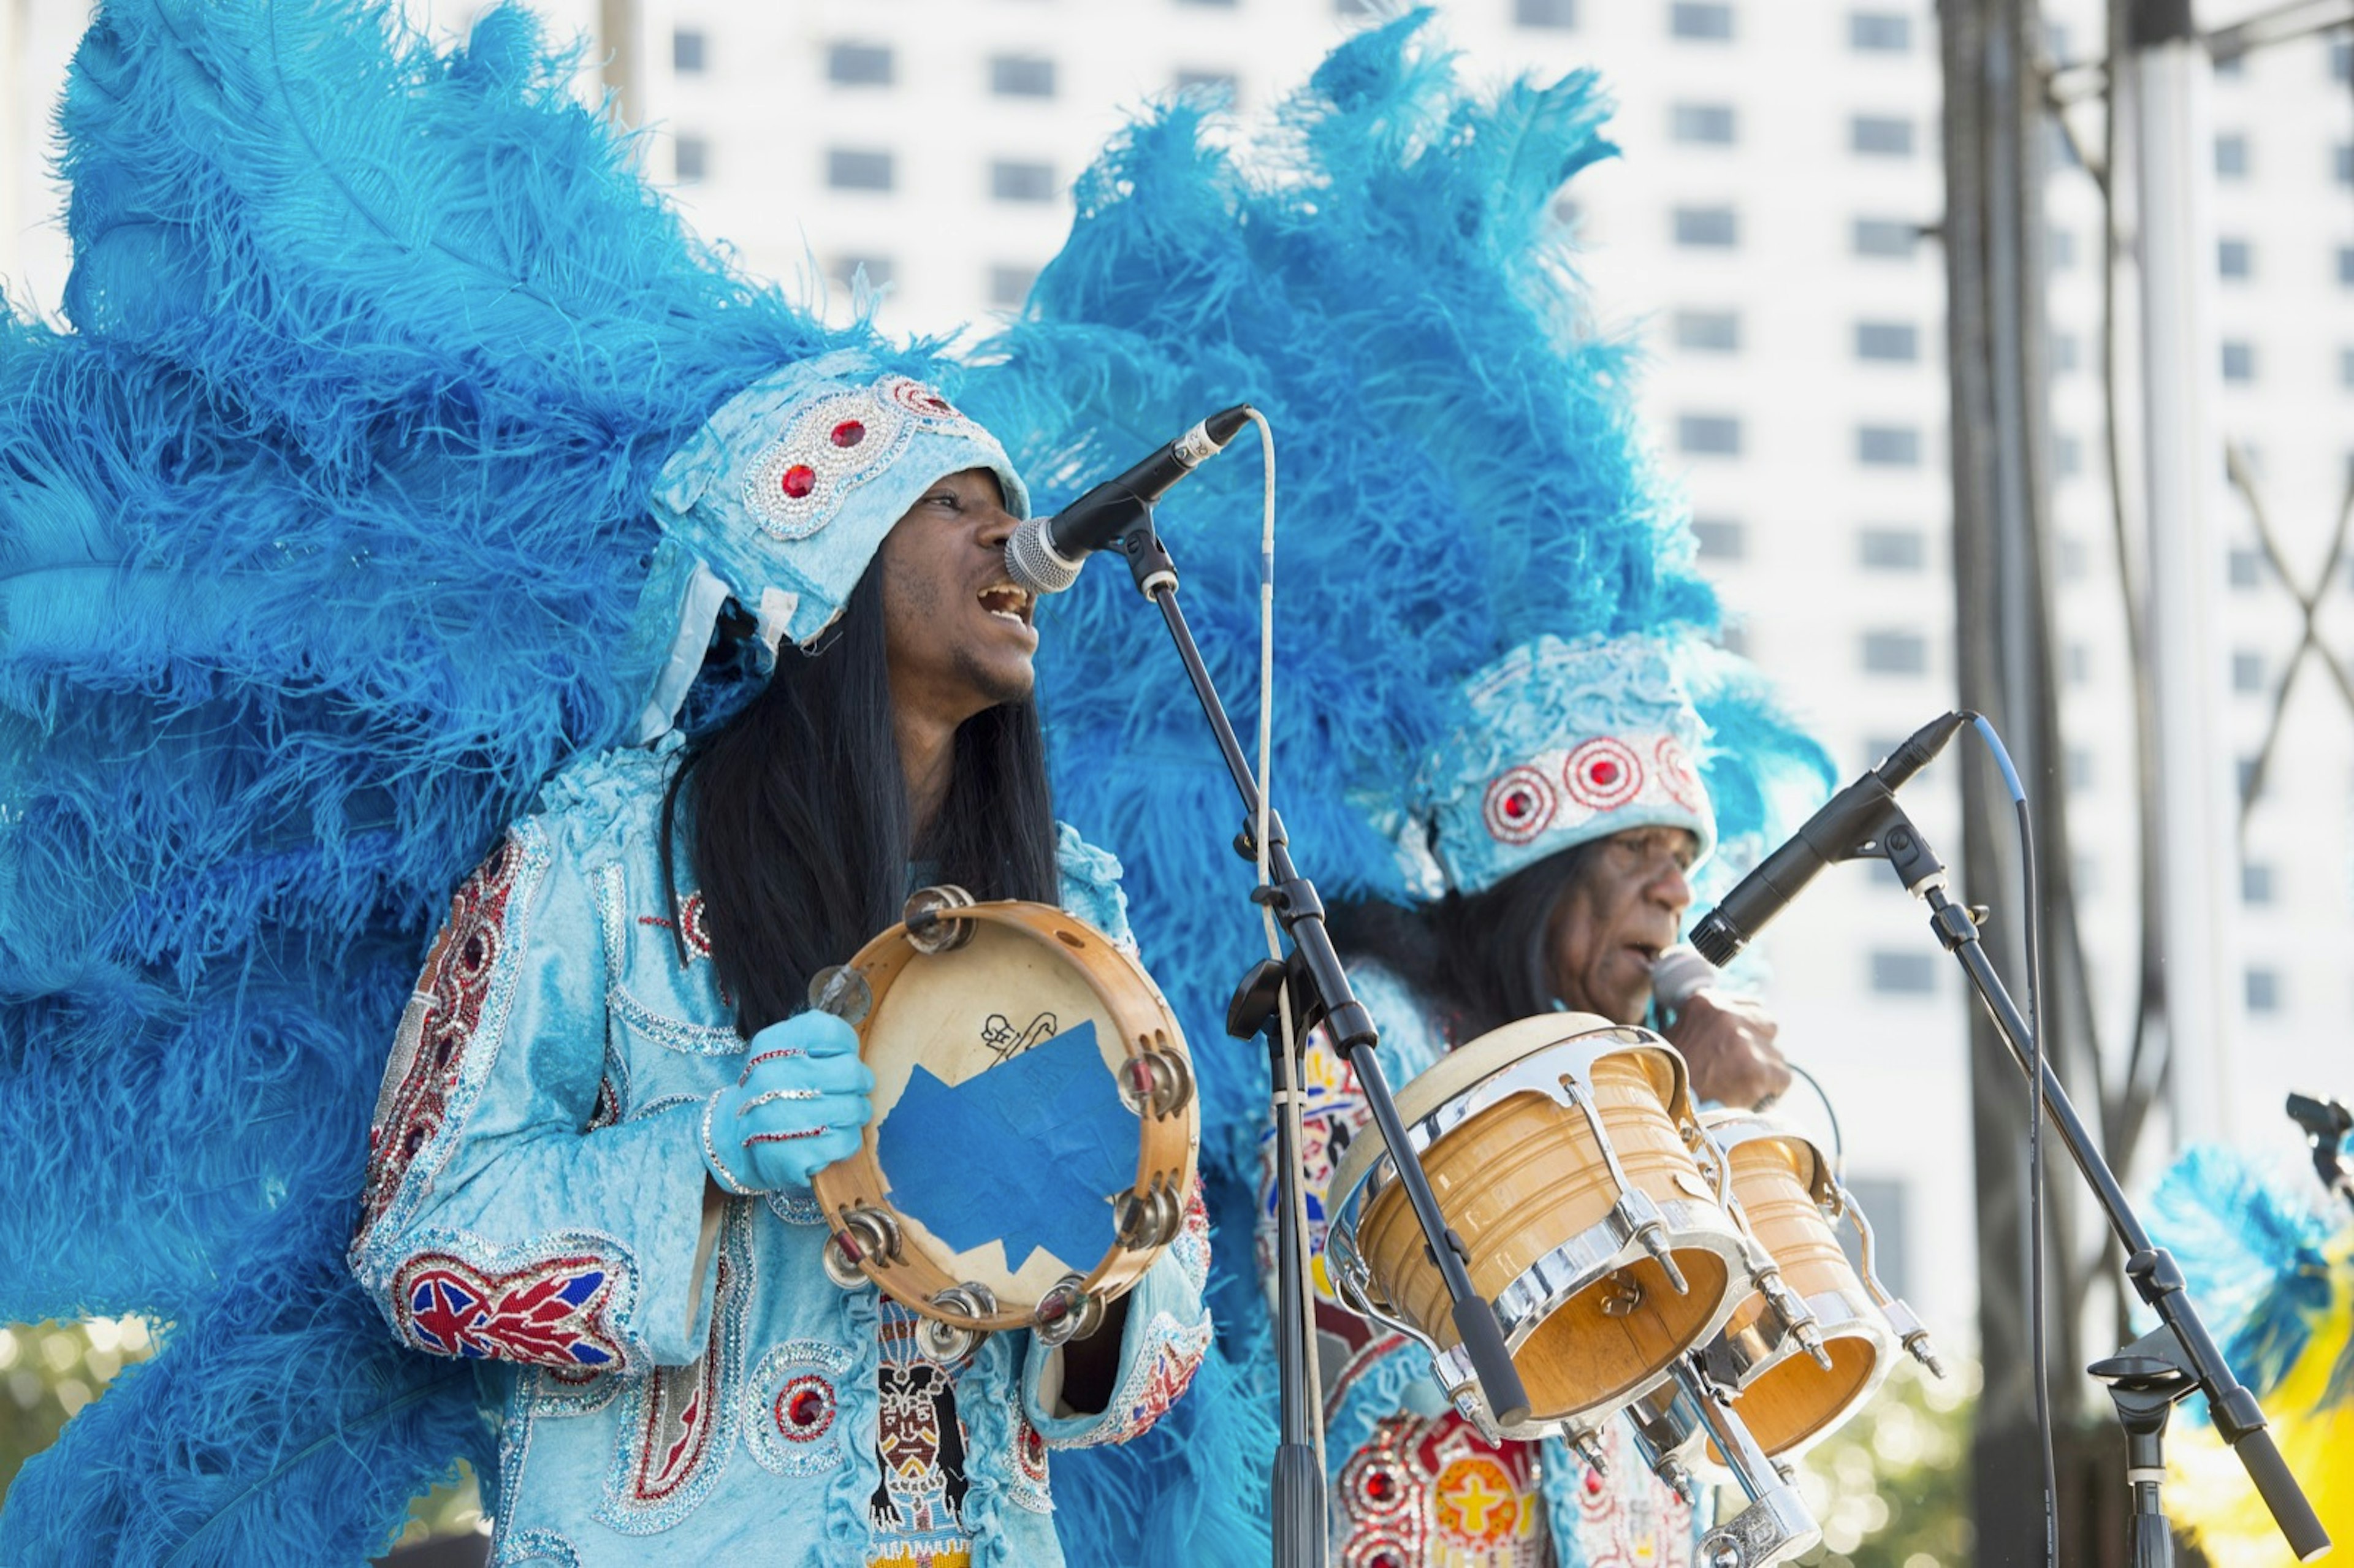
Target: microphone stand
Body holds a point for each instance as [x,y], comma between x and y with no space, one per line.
[2149,1376]
[1313,969]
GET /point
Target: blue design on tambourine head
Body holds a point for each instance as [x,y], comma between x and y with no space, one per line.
[1029,1153]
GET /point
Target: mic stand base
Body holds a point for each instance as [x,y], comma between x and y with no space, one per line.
[1298,1487]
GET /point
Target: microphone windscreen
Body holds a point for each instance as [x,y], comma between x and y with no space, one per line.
[1032,560]
[1677,972]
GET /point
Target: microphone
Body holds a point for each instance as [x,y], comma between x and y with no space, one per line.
[1677,972]
[1833,833]
[1045,554]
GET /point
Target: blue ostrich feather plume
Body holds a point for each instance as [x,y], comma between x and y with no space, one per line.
[2251,1246]
[318,536]
[1382,274]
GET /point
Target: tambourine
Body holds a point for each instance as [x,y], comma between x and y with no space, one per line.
[1035,1126]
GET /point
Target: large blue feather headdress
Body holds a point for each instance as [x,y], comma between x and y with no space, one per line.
[1385,277]
[1383,274]
[320,541]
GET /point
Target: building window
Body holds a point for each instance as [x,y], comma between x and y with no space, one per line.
[1709,331]
[2232,156]
[2341,163]
[1693,19]
[1891,549]
[2239,361]
[1711,227]
[2247,567]
[2068,459]
[876,269]
[687,52]
[1878,32]
[2346,265]
[2232,259]
[2346,366]
[1879,136]
[1896,654]
[2065,352]
[2341,59]
[690,159]
[1708,435]
[2060,250]
[2247,671]
[1705,123]
[1009,286]
[855,169]
[1020,76]
[1904,974]
[1218,84]
[859,65]
[2079,761]
[2076,662]
[1733,638]
[1721,539]
[1010,180]
[2230,67]
[1885,236]
[1545,12]
[2255,882]
[1895,340]
[2264,991]
[1888,446]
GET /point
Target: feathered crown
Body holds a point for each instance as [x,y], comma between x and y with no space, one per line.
[321,542]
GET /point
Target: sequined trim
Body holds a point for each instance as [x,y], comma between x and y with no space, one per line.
[836,444]
[678,1424]
[1164,1368]
[670,1034]
[795,1208]
[1027,1485]
[792,1408]
[536,1549]
[1434,1491]
[450,1037]
[562,1394]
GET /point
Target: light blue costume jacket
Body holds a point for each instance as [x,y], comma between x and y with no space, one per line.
[678,1381]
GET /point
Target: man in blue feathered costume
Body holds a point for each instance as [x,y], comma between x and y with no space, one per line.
[407,455]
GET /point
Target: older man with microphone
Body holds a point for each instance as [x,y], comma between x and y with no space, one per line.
[1552,838]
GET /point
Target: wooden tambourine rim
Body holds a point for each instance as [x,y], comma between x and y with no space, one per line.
[1166,1146]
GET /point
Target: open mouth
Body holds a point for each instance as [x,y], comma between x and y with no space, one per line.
[1007,601]
[1647,951]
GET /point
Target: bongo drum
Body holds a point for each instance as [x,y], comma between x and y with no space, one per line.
[1561,1150]
[1032,1146]
[1809,1344]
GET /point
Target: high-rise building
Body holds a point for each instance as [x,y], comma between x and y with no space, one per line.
[1770,234]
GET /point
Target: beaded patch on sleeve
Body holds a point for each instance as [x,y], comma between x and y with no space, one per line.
[670,1033]
[1166,1365]
[792,1408]
[450,1034]
[553,1312]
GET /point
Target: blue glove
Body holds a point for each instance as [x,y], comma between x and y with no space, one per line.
[798,1107]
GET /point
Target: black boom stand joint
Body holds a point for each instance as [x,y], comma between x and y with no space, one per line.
[1321,991]
[2149,1376]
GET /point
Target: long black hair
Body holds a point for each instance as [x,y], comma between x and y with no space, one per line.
[798,807]
[1484,959]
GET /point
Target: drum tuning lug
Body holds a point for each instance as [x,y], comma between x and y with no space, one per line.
[1678,1479]
[1655,1242]
[928,929]
[1066,1312]
[1589,1448]
[1979,914]
[1810,1339]
[1917,1342]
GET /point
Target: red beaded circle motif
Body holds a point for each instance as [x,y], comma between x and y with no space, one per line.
[1676,772]
[805,1409]
[918,398]
[1519,805]
[1603,774]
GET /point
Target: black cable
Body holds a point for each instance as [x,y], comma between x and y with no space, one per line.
[2038,1371]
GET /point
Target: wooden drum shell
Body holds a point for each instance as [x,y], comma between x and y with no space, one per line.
[1520,1178]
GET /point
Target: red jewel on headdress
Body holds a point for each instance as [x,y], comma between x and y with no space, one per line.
[849,434]
[1606,773]
[798,481]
